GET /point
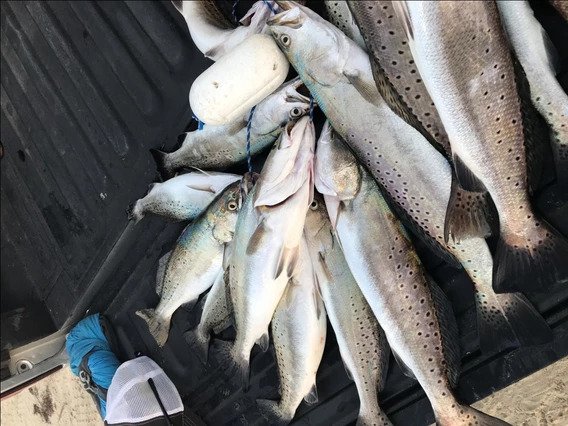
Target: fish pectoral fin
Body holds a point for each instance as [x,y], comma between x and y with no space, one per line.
[324,267]
[205,188]
[213,52]
[405,369]
[287,261]
[317,303]
[263,342]
[466,178]
[258,238]
[366,87]
[227,253]
[282,190]
[312,396]
[349,375]
[332,205]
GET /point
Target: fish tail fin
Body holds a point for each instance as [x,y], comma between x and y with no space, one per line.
[469,214]
[463,415]
[160,157]
[532,262]
[134,212]
[235,361]
[199,340]
[158,326]
[270,410]
[508,320]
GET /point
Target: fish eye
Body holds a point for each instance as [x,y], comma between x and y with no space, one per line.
[295,112]
[285,39]
[314,205]
[232,205]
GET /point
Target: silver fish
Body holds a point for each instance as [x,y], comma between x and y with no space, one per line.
[535,52]
[218,147]
[298,330]
[213,34]
[362,343]
[414,176]
[463,57]
[413,312]
[195,261]
[340,16]
[267,238]
[183,197]
[215,317]
[401,86]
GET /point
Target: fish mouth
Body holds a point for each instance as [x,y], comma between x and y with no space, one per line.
[292,17]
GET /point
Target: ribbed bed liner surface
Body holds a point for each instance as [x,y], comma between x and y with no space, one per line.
[87,89]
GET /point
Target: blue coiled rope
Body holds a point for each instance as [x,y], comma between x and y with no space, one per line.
[88,336]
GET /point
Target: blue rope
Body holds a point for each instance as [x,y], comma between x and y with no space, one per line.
[200,123]
[249,124]
[311,108]
[235,10]
[272,9]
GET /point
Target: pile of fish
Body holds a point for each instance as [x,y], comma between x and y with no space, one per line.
[434,132]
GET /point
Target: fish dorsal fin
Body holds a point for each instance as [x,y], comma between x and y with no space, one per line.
[161,272]
[466,178]
[312,397]
[405,369]
[449,332]
[263,342]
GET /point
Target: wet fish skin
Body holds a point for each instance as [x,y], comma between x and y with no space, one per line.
[218,147]
[414,314]
[298,329]
[534,51]
[269,231]
[215,317]
[213,34]
[362,343]
[472,82]
[562,8]
[195,261]
[401,87]
[183,197]
[414,176]
[340,16]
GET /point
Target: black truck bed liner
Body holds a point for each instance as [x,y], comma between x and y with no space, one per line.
[86,89]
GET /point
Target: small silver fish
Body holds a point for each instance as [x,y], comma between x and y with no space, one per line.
[183,197]
[362,343]
[298,330]
[215,317]
[195,262]
[267,238]
[218,147]
[212,33]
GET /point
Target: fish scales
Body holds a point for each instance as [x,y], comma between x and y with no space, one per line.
[464,59]
[402,88]
[362,343]
[412,173]
[299,331]
[416,317]
[195,261]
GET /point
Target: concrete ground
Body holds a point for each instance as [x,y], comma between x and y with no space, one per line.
[538,400]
